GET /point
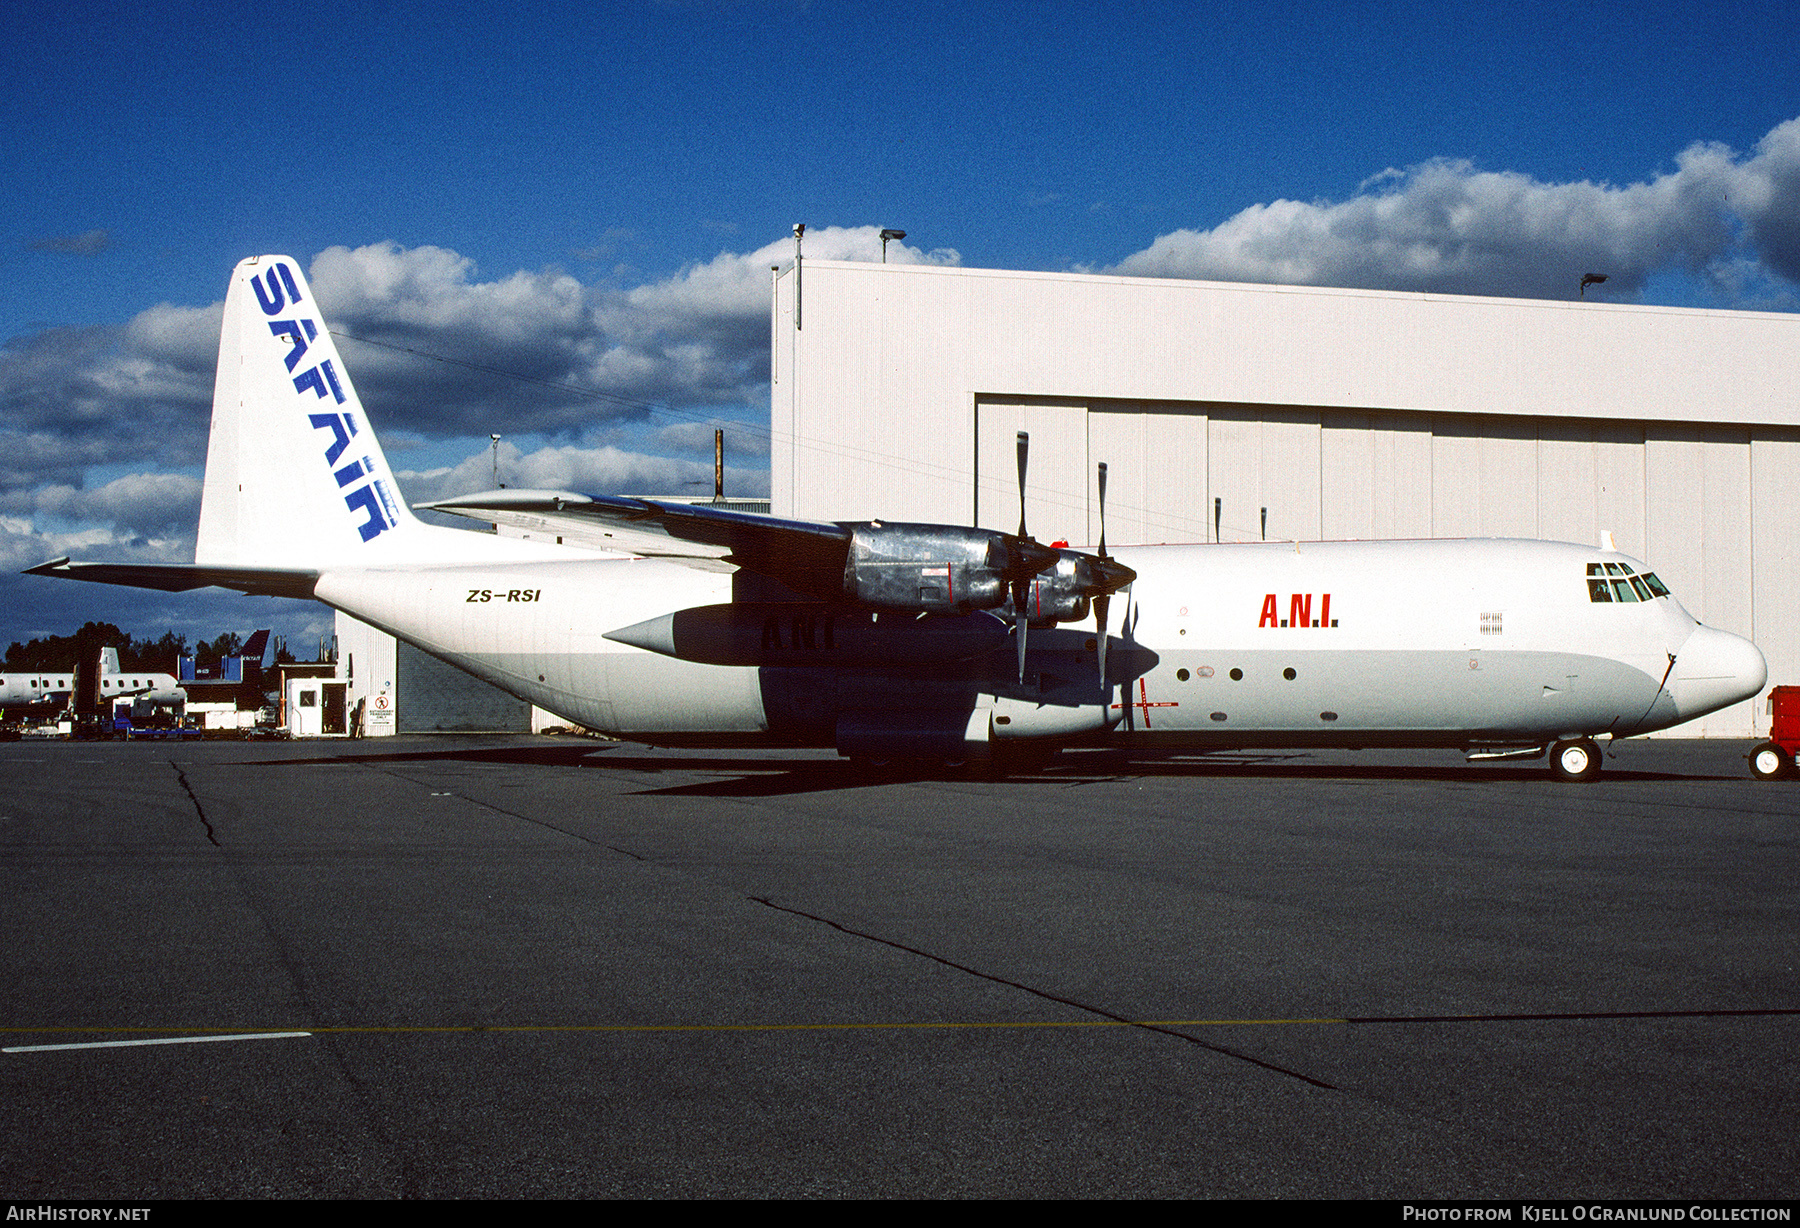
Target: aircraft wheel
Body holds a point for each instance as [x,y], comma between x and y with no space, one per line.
[1769,762]
[1575,760]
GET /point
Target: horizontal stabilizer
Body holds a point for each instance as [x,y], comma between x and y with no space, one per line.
[180,577]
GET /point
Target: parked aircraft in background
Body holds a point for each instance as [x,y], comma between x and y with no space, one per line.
[687,624]
[52,688]
[136,684]
[34,688]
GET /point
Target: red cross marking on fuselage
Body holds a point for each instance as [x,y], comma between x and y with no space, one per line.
[1144,703]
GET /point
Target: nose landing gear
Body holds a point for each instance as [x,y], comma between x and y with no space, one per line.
[1769,762]
[1577,759]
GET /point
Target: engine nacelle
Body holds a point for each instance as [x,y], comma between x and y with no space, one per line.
[928,567]
[1059,595]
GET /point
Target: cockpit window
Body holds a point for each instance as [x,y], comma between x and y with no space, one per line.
[1615,582]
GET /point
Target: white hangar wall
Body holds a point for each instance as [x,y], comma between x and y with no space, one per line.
[1332,413]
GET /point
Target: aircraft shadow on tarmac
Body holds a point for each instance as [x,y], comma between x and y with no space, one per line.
[753,774]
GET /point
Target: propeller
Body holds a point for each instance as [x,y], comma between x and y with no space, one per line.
[1029,558]
[1102,576]
[1099,575]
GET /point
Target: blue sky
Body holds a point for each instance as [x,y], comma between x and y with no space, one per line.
[585,193]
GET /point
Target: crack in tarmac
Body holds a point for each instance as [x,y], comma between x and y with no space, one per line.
[198,808]
[1045,994]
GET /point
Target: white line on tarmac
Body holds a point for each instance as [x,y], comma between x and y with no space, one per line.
[164,1040]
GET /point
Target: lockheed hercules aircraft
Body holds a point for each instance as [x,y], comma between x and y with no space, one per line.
[678,624]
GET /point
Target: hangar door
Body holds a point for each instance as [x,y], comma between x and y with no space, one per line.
[1175,472]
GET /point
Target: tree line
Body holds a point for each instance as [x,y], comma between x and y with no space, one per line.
[61,652]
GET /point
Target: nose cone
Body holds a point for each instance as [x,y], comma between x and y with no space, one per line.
[1715,669]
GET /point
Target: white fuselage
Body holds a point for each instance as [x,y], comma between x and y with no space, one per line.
[1464,642]
[56,685]
[31,689]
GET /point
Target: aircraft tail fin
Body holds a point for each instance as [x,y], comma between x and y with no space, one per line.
[296,483]
[109,660]
[294,475]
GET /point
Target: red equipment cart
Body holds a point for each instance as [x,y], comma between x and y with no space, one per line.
[1774,759]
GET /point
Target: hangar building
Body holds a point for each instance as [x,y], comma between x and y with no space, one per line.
[1230,412]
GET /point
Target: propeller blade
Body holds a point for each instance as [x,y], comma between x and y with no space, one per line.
[1101,603]
[1024,447]
[1103,598]
[1021,622]
[1102,509]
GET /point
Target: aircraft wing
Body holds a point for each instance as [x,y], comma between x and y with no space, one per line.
[804,555]
[180,577]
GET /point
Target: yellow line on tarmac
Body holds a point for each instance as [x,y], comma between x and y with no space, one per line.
[403,1029]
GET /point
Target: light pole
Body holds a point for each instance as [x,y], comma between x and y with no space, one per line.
[496,447]
[885,236]
[799,230]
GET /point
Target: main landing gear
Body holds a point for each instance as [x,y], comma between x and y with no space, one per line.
[1575,760]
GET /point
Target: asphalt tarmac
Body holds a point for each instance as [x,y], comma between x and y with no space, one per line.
[565,968]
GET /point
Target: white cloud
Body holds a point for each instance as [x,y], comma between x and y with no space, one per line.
[26,543]
[75,397]
[138,506]
[697,338]
[184,338]
[72,398]
[602,470]
[1445,226]
[1766,195]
